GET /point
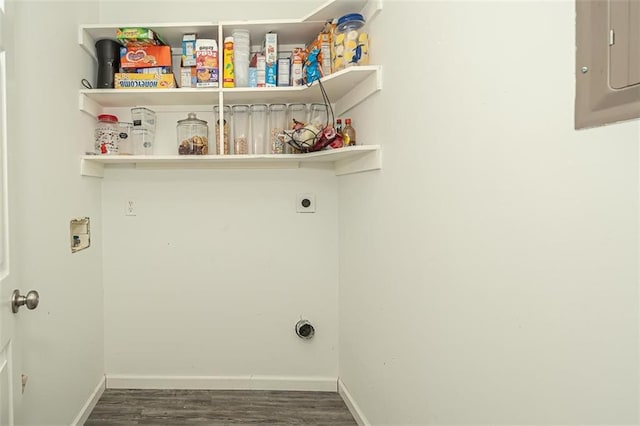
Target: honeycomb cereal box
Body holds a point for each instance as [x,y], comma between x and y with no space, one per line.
[207,63]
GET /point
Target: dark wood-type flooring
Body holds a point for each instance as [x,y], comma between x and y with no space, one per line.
[207,407]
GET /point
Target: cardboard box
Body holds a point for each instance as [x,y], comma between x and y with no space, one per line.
[207,63]
[188,77]
[297,63]
[283,72]
[270,50]
[136,37]
[145,57]
[189,50]
[261,67]
[144,81]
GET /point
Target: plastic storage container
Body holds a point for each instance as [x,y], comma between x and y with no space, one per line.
[295,113]
[226,128]
[277,123]
[241,57]
[193,136]
[125,144]
[240,129]
[143,118]
[142,141]
[350,42]
[258,128]
[319,115]
[106,135]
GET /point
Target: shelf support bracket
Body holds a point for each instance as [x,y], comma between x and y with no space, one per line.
[349,166]
[91,168]
[89,106]
[359,93]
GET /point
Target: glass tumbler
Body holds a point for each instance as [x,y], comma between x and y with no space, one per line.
[319,115]
[226,112]
[295,113]
[258,128]
[277,123]
[240,129]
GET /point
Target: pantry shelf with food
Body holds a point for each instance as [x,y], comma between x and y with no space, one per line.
[274,90]
[347,87]
[347,160]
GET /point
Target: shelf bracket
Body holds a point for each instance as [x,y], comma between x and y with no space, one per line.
[359,93]
[91,168]
[89,106]
[368,162]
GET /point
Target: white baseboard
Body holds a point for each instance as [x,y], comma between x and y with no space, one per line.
[323,384]
[90,404]
[353,407]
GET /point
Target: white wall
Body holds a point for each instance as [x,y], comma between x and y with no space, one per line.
[212,274]
[488,273]
[63,337]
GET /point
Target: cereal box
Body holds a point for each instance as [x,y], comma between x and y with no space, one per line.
[145,56]
[207,63]
[143,81]
[188,77]
[297,63]
[270,50]
[189,50]
[283,72]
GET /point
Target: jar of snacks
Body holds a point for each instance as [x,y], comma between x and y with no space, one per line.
[193,136]
[106,135]
[350,42]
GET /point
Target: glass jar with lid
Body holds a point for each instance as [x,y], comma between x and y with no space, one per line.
[193,136]
[106,135]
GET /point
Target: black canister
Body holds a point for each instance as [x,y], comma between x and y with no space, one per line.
[108,53]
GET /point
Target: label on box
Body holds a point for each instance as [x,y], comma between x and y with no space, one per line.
[145,56]
[207,63]
[189,50]
[143,81]
[297,62]
[283,72]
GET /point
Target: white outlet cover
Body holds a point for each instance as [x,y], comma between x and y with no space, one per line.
[306,203]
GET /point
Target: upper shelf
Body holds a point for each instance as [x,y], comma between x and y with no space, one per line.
[345,88]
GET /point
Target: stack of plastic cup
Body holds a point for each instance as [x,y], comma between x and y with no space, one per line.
[241,52]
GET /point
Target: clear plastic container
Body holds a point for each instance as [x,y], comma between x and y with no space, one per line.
[106,135]
[143,118]
[125,142]
[277,124]
[296,113]
[258,128]
[350,42]
[241,57]
[226,128]
[319,115]
[142,140]
[240,129]
[193,136]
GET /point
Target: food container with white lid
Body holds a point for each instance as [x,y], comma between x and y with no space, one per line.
[193,136]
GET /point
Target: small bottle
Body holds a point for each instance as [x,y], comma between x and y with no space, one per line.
[348,133]
[339,125]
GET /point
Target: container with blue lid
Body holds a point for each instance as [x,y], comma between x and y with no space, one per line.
[350,42]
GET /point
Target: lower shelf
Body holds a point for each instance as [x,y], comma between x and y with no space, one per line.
[353,159]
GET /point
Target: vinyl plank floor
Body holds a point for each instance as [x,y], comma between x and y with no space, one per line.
[120,407]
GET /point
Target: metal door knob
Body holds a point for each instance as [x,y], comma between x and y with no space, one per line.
[31,300]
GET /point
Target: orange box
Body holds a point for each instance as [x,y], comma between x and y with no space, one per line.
[145,56]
